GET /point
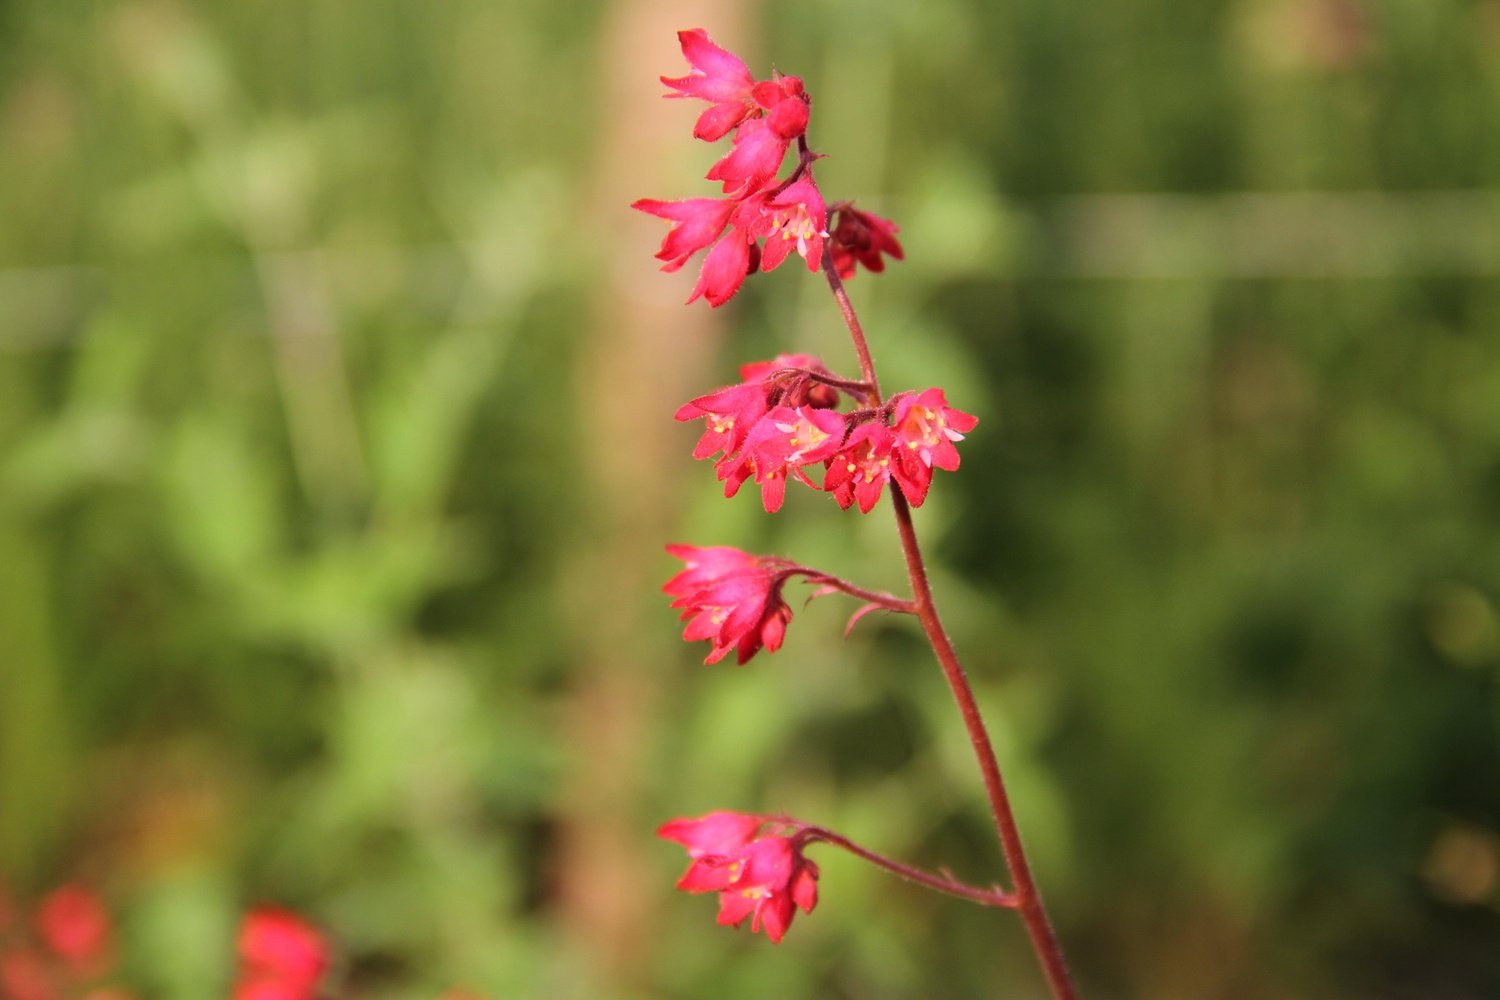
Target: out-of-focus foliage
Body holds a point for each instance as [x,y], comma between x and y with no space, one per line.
[299,513]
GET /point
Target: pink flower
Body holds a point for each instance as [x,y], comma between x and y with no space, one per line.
[765,117]
[776,881]
[925,427]
[766,879]
[794,219]
[699,221]
[786,104]
[862,237]
[801,436]
[777,446]
[731,598]
[279,950]
[718,77]
[753,161]
[702,566]
[717,834]
[75,925]
[725,268]
[730,412]
[862,467]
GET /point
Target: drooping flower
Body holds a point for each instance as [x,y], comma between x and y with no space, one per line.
[720,78]
[777,880]
[725,268]
[861,237]
[780,443]
[860,470]
[794,220]
[716,835]
[765,117]
[699,221]
[766,879]
[281,955]
[925,427]
[753,160]
[703,566]
[731,598]
[729,414]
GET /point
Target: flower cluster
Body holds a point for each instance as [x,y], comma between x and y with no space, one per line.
[767,218]
[64,951]
[783,420]
[780,421]
[765,878]
[282,956]
[730,597]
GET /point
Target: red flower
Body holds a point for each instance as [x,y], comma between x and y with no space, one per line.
[794,219]
[925,427]
[754,160]
[862,467]
[74,924]
[699,221]
[702,567]
[862,237]
[766,879]
[725,268]
[796,437]
[718,77]
[731,598]
[730,412]
[778,445]
[765,118]
[718,833]
[279,950]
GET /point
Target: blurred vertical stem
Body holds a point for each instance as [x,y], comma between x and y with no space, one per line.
[1028,898]
[613,705]
[34,751]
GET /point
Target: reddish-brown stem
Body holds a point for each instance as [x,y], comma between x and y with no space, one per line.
[847,384]
[856,332]
[888,601]
[974,894]
[1027,899]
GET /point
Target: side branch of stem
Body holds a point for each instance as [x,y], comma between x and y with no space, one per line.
[953,887]
[889,602]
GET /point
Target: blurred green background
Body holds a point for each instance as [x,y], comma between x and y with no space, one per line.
[336,460]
